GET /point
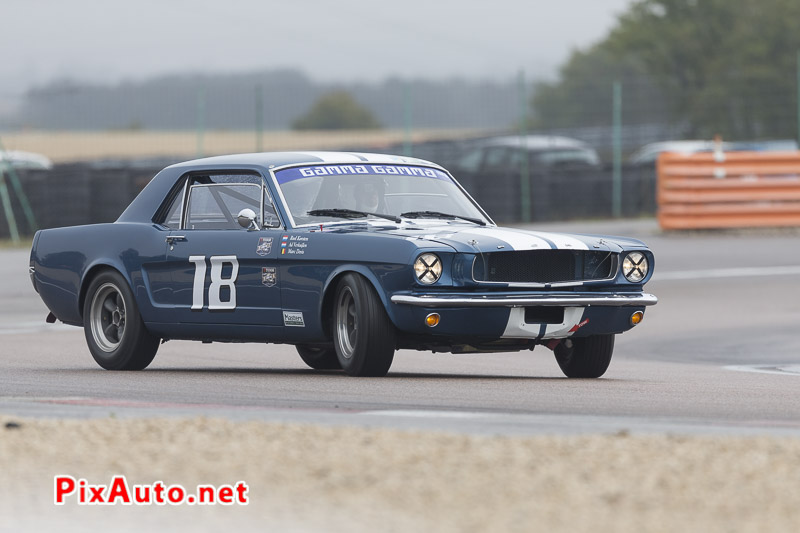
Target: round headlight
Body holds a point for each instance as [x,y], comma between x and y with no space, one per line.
[635,267]
[428,268]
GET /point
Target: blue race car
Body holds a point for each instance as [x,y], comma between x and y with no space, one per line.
[347,256]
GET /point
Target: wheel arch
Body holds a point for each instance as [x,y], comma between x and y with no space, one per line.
[329,293]
[91,273]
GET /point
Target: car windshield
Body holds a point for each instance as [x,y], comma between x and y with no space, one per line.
[371,189]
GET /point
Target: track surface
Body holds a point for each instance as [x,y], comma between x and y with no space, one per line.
[729,301]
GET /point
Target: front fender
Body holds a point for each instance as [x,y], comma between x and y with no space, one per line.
[326,302]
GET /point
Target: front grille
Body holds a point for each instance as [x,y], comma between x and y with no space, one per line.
[544,266]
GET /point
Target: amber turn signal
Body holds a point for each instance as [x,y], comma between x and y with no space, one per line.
[637,317]
[432,320]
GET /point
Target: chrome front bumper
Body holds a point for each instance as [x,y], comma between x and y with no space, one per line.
[567,300]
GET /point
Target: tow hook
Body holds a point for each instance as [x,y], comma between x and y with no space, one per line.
[555,343]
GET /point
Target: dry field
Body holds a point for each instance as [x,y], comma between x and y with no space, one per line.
[66,146]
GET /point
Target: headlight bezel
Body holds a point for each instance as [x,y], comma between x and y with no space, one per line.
[635,266]
[428,268]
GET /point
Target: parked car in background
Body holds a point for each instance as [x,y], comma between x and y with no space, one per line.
[499,155]
[648,154]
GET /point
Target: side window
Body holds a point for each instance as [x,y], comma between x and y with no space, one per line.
[217,206]
[215,200]
[471,162]
[515,157]
[496,159]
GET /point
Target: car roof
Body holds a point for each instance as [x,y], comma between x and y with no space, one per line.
[537,142]
[279,159]
[142,208]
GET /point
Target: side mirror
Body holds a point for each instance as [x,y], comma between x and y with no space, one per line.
[247,219]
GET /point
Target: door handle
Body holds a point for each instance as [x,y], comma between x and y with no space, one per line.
[172,238]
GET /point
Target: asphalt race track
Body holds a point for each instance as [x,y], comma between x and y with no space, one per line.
[720,353]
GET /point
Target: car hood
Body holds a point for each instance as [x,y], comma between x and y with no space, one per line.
[472,239]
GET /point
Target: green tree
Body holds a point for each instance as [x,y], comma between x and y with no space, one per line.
[582,94]
[720,66]
[336,110]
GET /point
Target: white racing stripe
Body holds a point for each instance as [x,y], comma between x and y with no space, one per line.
[564,242]
[517,240]
[784,370]
[517,328]
[330,158]
[337,157]
[743,272]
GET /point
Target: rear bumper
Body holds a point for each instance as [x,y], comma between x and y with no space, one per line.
[639,299]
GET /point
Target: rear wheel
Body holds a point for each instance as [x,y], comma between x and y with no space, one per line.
[115,333]
[319,357]
[363,335]
[585,357]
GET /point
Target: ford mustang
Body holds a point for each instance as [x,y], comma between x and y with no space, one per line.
[349,257]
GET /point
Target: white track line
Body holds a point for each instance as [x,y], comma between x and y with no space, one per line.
[782,369]
[742,272]
[427,414]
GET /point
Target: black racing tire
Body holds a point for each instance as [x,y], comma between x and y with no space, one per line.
[319,357]
[115,333]
[363,335]
[587,357]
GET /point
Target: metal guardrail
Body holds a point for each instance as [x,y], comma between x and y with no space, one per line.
[728,190]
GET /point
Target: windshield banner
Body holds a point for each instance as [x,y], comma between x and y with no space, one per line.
[291,174]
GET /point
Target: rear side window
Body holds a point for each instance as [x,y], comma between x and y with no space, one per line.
[172,220]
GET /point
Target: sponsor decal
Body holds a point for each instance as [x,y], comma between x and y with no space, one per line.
[293,318]
[294,244]
[269,276]
[264,246]
[576,327]
[291,174]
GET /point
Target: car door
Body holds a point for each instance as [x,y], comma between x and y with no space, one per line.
[223,273]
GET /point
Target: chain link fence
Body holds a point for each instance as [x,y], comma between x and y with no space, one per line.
[99,136]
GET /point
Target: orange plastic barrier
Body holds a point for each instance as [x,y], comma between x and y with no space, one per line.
[728,190]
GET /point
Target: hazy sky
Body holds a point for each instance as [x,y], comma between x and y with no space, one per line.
[341,40]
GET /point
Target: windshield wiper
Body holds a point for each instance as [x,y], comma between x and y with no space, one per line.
[439,214]
[350,213]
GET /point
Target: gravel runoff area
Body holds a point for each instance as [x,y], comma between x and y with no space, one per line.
[307,478]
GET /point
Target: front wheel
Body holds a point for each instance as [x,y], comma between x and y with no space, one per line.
[585,357]
[319,357]
[115,333]
[363,335]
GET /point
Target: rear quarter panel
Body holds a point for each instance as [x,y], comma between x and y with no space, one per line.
[64,257]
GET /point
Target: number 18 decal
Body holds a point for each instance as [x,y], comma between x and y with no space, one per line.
[217,282]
